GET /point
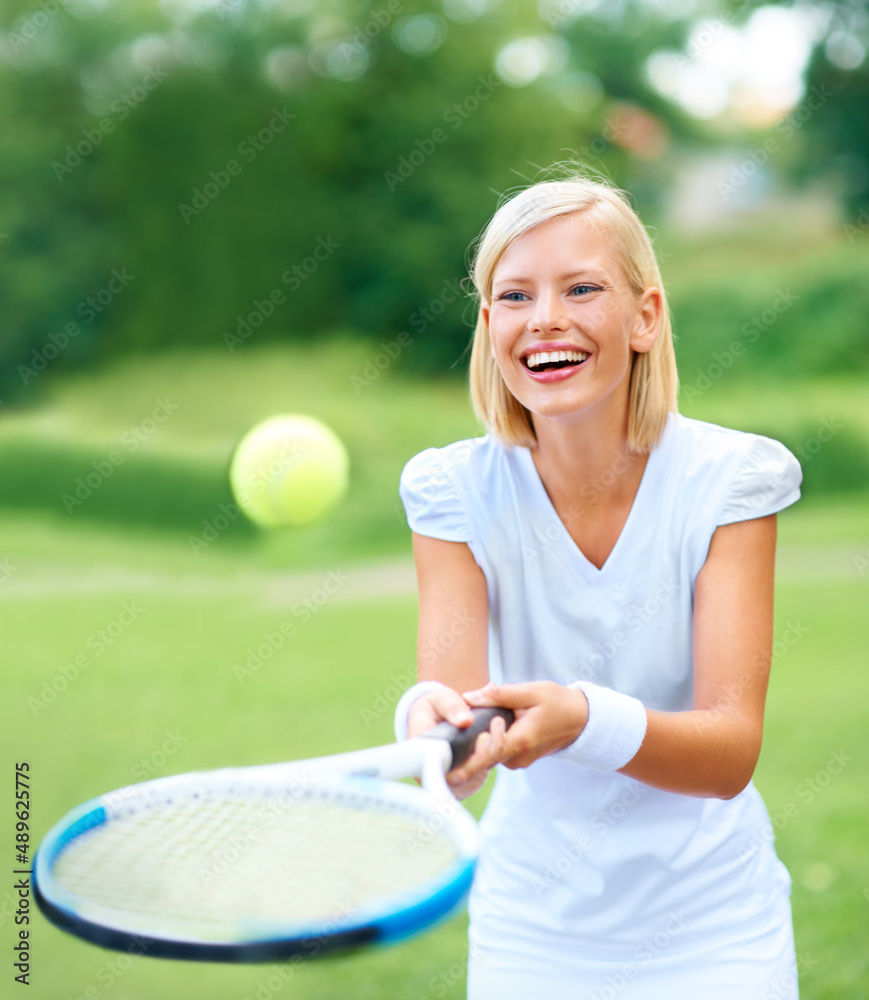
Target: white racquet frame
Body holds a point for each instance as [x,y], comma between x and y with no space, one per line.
[365,781]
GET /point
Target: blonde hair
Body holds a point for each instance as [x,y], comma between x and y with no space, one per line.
[654,380]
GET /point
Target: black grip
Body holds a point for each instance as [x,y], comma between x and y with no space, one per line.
[462,741]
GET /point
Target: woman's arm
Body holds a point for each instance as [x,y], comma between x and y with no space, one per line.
[453,638]
[452,646]
[711,750]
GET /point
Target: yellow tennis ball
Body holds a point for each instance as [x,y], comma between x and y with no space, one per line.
[288,470]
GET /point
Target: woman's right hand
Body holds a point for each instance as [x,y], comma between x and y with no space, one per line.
[448,705]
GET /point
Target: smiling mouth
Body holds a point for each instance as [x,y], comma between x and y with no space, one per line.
[545,361]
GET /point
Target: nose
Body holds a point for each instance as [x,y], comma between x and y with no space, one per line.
[549,314]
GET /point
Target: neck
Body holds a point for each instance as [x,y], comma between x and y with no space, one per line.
[586,458]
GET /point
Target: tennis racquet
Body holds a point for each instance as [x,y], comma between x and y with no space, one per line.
[260,863]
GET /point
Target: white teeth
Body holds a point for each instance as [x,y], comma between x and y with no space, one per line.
[548,357]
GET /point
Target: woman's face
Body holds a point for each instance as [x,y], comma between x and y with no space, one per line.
[564,322]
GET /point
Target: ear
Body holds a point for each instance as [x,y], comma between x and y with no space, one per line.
[485,312]
[648,323]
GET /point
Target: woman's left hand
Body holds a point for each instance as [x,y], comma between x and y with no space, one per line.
[549,716]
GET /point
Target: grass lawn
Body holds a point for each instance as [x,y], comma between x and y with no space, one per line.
[158,630]
[170,671]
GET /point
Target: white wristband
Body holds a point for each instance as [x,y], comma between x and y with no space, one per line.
[614,732]
[402,709]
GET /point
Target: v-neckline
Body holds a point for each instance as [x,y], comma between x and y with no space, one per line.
[589,567]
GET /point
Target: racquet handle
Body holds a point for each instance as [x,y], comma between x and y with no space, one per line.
[462,741]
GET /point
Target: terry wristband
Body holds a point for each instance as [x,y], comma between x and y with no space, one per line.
[614,732]
[402,709]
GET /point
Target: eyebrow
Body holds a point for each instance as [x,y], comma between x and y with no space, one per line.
[522,280]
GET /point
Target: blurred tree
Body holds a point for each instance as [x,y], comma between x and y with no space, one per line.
[836,143]
[261,169]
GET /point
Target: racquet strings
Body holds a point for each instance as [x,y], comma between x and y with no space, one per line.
[228,867]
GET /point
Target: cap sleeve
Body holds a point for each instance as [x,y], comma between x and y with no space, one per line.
[431,498]
[766,481]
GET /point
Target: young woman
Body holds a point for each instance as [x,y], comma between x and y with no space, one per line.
[608,567]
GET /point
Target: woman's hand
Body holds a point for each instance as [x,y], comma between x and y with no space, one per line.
[448,705]
[548,718]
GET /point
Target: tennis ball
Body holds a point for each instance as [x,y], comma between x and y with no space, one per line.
[288,470]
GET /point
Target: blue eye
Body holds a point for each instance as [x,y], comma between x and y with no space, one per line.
[512,297]
[584,289]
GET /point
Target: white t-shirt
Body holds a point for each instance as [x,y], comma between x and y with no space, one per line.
[586,875]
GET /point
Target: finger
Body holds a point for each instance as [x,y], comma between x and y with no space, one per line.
[480,759]
[498,726]
[464,789]
[482,697]
[451,706]
[503,695]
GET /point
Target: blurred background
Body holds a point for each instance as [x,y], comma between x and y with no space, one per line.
[212,211]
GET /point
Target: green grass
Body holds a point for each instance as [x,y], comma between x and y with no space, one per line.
[813,775]
[171,671]
[64,578]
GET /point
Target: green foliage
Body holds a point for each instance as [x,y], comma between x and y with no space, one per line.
[788,317]
[834,144]
[119,129]
[837,462]
[157,490]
